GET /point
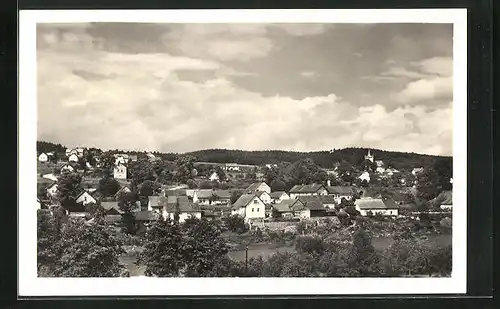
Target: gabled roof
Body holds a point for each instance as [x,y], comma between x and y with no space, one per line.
[82,193]
[390,203]
[260,193]
[111,205]
[312,188]
[183,207]
[289,205]
[339,190]
[255,186]
[370,203]
[208,193]
[311,202]
[277,194]
[243,201]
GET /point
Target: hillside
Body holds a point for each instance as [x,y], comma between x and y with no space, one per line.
[325,159]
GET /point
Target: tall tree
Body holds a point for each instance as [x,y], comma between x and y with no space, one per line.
[185,168]
[68,188]
[141,170]
[362,257]
[47,237]
[428,186]
[162,255]
[108,186]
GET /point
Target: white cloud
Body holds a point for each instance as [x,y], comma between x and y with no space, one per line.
[300,29]
[308,74]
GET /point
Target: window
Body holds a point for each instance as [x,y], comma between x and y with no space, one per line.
[255,201]
[257,209]
[252,209]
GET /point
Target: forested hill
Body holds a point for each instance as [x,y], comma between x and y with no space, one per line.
[325,159]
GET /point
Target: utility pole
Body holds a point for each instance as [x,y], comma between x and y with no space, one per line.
[246,260]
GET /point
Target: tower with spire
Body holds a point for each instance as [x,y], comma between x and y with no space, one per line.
[369,157]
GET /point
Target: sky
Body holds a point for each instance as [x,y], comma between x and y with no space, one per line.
[299,87]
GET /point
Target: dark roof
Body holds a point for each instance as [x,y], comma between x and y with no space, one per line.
[208,193]
[154,201]
[254,186]
[176,192]
[312,202]
[277,194]
[289,205]
[174,199]
[111,205]
[312,188]
[243,201]
[391,203]
[146,215]
[370,203]
[340,190]
[183,207]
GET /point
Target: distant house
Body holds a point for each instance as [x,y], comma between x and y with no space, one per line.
[85,198]
[184,209]
[74,151]
[73,158]
[340,192]
[52,190]
[151,156]
[121,159]
[258,186]
[50,177]
[113,213]
[43,157]
[367,205]
[364,176]
[417,171]
[211,197]
[67,168]
[303,190]
[380,166]
[271,166]
[233,167]
[124,189]
[249,206]
[318,205]
[154,203]
[214,177]
[120,171]
[292,208]
[444,200]
[278,196]
[146,216]
[133,158]
[264,196]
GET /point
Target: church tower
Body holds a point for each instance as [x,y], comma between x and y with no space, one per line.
[369,156]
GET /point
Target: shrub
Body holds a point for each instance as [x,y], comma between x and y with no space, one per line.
[236,223]
[310,244]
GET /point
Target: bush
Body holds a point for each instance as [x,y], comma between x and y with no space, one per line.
[236,224]
[310,244]
[446,222]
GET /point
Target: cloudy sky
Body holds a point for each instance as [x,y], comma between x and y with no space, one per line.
[305,87]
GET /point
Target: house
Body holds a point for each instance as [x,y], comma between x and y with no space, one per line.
[67,168]
[391,171]
[302,190]
[278,196]
[43,157]
[367,205]
[50,177]
[52,190]
[271,166]
[380,166]
[112,211]
[249,206]
[258,186]
[214,176]
[73,158]
[364,176]
[146,216]
[85,198]
[184,209]
[292,208]
[120,171]
[417,171]
[317,204]
[124,189]
[233,167]
[264,196]
[211,197]
[444,200]
[76,151]
[151,156]
[133,158]
[155,203]
[340,192]
[121,159]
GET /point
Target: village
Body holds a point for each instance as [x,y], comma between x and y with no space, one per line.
[255,203]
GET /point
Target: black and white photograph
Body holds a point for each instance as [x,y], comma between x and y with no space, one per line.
[246,148]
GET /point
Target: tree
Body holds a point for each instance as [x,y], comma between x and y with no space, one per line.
[127,204]
[185,168]
[220,173]
[236,223]
[163,255]
[47,237]
[141,170]
[68,188]
[149,188]
[235,195]
[108,186]
[428,186]
[275,213]
[346,171]
[96,211]
[362,256]
[203,247]
[192,184]
[107,162]
[310,244]
[88,252]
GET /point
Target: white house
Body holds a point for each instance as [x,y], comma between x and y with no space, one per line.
[264,196]
[233,167]
[76,151]
[214,177]
[43,157]
[85,198]
[258,186]
[417,170]
[183,209]
[73,158]
[278,196]
[271,166]
[367,205]
[364,176]
[52,190]
[151,156]
[211,197]
[249,206]
[50,177]
[120,171]
[67,168]
[304,190]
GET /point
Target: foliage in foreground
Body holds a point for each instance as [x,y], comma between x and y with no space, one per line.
[74,249]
